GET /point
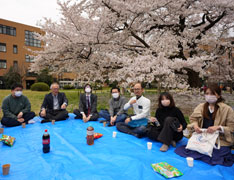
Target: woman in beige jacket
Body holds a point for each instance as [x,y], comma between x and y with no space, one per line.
[213,115]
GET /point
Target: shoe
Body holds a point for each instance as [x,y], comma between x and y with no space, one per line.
[173,143]
[164,148]
[31,121]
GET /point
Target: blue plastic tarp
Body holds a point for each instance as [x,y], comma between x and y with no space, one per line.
[120,158]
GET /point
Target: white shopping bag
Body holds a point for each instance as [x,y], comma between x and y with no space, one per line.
[203,142]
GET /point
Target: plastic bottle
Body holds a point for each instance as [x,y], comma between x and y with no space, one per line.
[90,135]
[46,142]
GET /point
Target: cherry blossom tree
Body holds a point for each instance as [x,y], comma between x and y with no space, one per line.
[134,40]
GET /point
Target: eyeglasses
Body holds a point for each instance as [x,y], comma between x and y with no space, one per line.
[136,89]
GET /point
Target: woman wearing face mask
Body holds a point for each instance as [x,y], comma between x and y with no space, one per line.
[213,115]
[116,111]
[169,123]
[87,106]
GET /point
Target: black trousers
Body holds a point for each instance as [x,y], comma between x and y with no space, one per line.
[94,116]
[166,134]
[57,115]
[10,122]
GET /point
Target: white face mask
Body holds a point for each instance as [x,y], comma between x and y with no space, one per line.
[87,90]
[211,99]
[115,95]
[166,102]
[18,93]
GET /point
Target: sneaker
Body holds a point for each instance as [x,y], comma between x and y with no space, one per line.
[164,148]
[173,143]
[31,121]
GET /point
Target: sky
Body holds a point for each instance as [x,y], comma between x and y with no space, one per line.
[29,12]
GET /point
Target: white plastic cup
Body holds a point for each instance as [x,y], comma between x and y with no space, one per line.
[114,134]
[189,161]
[149,145]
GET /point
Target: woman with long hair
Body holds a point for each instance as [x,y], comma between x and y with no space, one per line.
[213,115]
[168,124]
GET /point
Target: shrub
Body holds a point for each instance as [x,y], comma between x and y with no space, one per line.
[68,87]
[40,86]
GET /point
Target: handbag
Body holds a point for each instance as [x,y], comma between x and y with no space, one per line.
[204,142]
[175,124]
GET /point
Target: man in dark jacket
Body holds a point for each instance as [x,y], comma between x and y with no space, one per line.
[54,105]
[16,108]
[87,106]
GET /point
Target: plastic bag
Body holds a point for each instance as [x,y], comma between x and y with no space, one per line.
[8,140]
[166,170]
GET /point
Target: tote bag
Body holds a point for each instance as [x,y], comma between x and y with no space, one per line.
[204,142]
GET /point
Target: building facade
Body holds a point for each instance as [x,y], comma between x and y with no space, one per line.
[15,40]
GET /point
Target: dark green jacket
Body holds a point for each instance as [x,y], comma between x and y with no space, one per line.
[11,106]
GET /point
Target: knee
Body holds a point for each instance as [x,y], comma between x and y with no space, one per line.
[169,120]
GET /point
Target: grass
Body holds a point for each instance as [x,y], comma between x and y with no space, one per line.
[36,99]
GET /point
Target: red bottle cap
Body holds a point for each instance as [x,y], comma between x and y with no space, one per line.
[46,130]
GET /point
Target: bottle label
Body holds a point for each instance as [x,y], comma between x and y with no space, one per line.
[90,133]
[46,141]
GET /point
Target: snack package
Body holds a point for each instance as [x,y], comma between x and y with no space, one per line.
[166,170]
[97,135]
[8,140]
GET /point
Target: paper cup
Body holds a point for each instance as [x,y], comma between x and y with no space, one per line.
[1,130]
[149,145]
[5,169]
[53,122]
[104,124]
[23,125]
[114,134]
[189,161]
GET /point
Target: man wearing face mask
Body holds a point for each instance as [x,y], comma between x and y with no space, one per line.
[54,105]
[136,124]
[87,106]
[116,111]
[16,108]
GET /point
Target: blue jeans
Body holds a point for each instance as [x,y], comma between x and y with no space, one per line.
[106,115]
[136,131]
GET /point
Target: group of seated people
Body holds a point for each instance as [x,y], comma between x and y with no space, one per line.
[167,126]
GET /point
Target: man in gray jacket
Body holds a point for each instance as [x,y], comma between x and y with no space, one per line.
[116,111]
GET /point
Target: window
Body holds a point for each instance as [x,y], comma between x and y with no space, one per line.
[7,30]
[3,64]
[30,40]
[15,49]
[15,64]
[29,58]
[2,47]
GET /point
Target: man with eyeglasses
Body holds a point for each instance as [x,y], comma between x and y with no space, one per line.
[136,124]
[54,105]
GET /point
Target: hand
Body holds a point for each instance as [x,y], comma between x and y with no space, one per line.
[180,128]
[20,120]
[127,120]
[153,119]
[197,129]
[212,129]
[43,113]
[63,106]
[20,115]
[84,118]
[133,101]
[113,119]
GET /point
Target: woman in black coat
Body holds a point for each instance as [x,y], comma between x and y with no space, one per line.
[168,124]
